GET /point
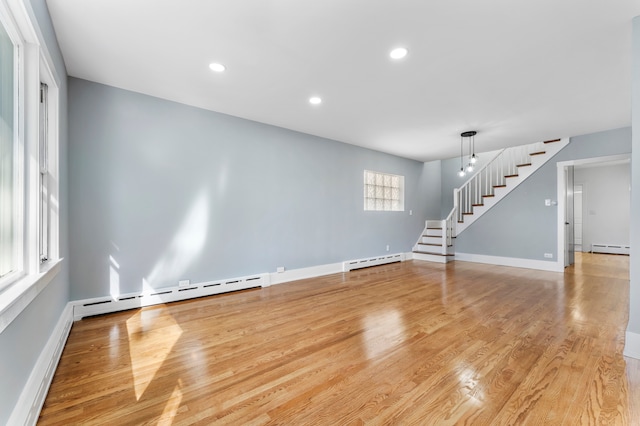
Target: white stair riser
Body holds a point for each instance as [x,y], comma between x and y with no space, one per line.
[431,240]
[433,249]
[432,223]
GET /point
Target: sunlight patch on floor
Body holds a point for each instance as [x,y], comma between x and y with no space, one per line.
[172,407]
[152,335]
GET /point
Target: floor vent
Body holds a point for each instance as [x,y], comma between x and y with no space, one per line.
[350,265]
[610,248]
[104,305]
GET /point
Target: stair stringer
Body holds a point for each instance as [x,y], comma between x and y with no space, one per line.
[499,193]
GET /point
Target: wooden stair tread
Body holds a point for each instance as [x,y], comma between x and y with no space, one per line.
[477,205]
[467,213]
[538,153]
[431,244]
[523,165]
[510,176]
[432,228]
[552,141]
[499,186]
[489,195]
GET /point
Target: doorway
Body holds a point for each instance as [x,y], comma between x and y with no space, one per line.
[565,245]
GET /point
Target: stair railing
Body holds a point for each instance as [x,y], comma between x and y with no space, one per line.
[493,174]
[449,229]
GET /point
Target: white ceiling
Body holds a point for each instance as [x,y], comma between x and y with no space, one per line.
[515,71]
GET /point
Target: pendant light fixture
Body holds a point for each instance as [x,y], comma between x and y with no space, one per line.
[470,135]
[461,173]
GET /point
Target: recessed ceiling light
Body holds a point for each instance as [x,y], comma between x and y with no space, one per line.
[398,53]
[315,100]
[217,67]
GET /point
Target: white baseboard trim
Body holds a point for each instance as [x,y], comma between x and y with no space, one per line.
[108,304]
[334,268]
[31,400]
[123,302]
[632,345]
[511,261]
[350,265]
[304,273]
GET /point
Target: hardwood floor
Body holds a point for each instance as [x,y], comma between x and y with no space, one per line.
[414,343]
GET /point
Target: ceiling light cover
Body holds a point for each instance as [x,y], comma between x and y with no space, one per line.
[398,53]
[315,100]
[214,66]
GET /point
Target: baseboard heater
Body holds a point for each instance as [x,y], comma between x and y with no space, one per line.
[123,302]
[610,248]
[372,261]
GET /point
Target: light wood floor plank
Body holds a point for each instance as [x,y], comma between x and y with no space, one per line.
[407,343]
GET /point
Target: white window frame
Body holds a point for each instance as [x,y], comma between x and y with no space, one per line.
[49,171]
[34,66]
[382,192]
[18,152]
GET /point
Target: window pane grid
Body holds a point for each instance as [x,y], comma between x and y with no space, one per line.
[383,191]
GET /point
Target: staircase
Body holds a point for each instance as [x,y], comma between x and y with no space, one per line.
[508,169]
[436,242]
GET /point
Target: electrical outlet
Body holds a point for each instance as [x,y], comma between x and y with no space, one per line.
[548,255]
[184,283]
[280,269]
[387,247]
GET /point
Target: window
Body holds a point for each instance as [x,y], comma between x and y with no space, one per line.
[29,229]
[383,192]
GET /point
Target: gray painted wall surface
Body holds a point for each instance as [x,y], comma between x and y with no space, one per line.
[431,177]
[520,225]
[634,298]
[162,191]
[606,204]
[23,340]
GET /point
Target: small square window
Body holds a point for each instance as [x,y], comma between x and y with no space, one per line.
[383,192]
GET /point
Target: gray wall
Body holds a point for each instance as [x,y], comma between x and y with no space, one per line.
[162,191]
[23,340]
[634,299]
[431,178]
[520,225]
[606,204]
